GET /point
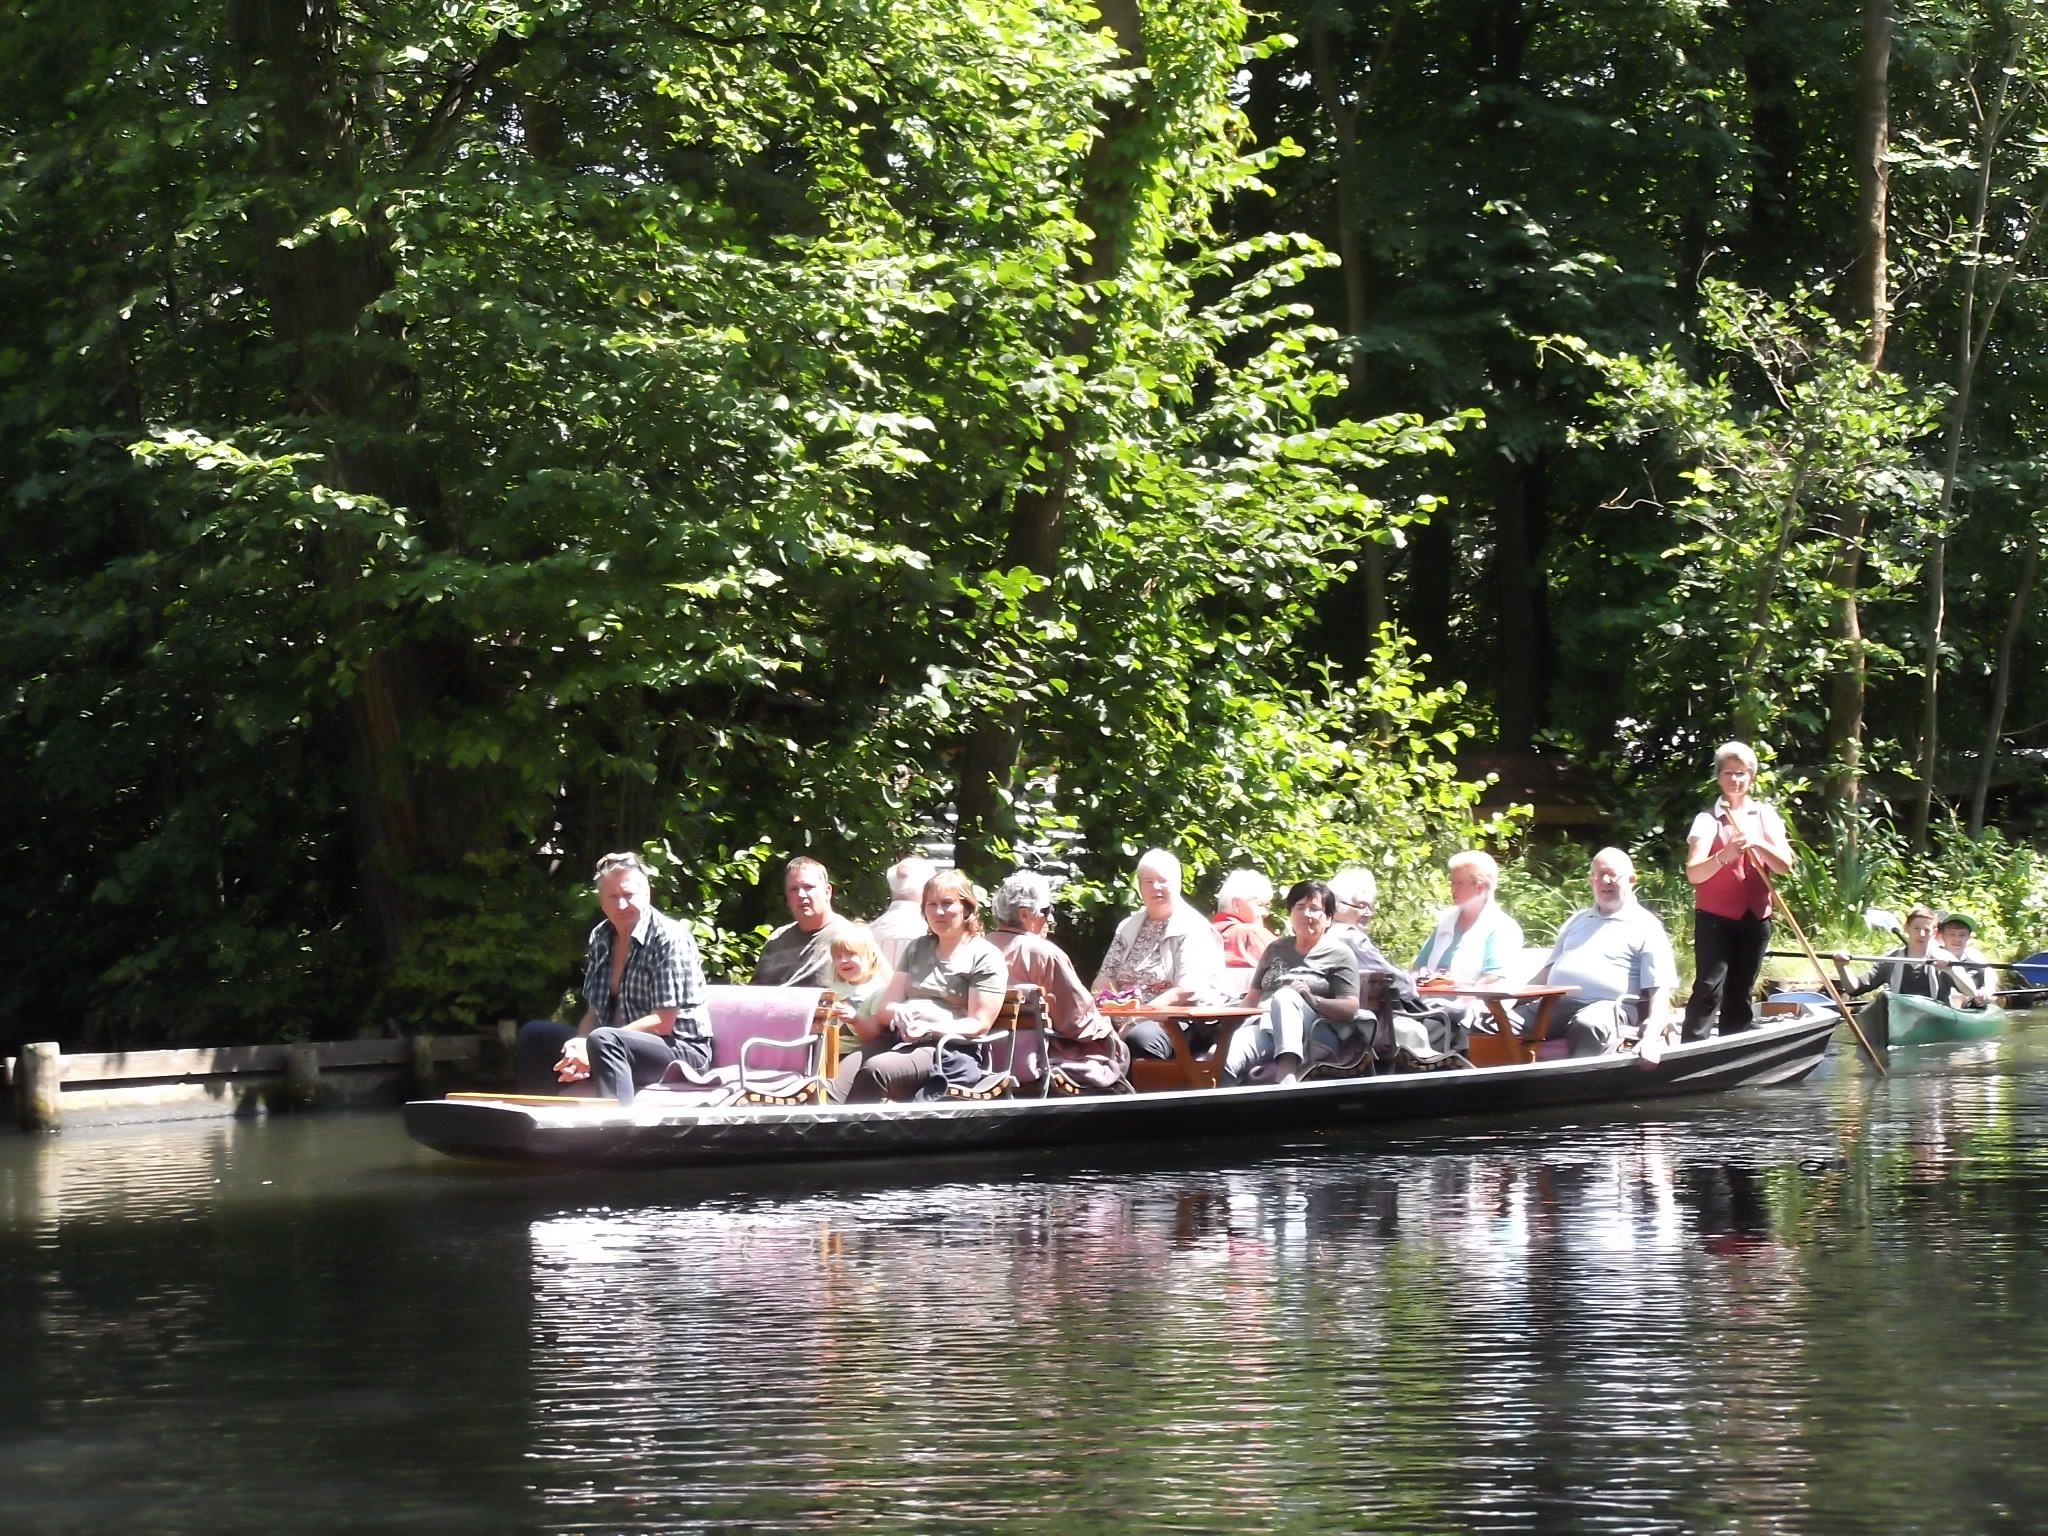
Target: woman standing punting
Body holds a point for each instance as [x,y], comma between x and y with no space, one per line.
[1731,920]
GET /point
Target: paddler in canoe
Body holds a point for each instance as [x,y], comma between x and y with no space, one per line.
[1920,967]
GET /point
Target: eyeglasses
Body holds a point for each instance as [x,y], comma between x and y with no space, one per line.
[612,861]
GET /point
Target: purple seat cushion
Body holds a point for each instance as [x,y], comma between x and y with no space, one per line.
[740,1014]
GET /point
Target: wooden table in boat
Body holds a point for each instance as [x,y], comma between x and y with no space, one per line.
[1508,1048]
[1186,1070]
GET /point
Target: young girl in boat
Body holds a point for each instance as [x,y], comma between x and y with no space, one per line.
[859,976]
[1917,968]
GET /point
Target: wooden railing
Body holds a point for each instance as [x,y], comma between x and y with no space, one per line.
[48,1084]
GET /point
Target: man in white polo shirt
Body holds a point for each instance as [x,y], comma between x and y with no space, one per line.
[1616,958]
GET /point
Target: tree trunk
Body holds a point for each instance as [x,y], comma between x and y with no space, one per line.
[1520,627]
[1847,684]
[1499,42]
[1344,115]
[2001,685]
[1775,147]
[1748,702]
[1868,292]
[1428,594]
[1930,692]
[1111,187]
[1971,335]
[359,396]
[1868,275]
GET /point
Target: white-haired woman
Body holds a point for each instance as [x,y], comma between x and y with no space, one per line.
[1474,938]
[1726,852]
[1084,1047]
[1164,953]
[1242,901]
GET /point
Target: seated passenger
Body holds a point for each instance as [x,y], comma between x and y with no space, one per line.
[860,976]
[1163,955]
[951,982]
[1353,890]
[798,954]
[1358,897]
[1616,958]
[904,918]
[1917,968]
[1307,982]
[643,993]
[1474,939]
[1425,1028]
[1082,1044]
[1242,901]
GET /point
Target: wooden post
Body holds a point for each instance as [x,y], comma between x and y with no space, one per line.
[39,1079]
[302,1075]
[423,1062]
[508,1049]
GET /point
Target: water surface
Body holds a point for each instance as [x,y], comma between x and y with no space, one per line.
[1810,1309]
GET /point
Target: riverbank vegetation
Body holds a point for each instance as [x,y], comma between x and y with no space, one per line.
[443,442]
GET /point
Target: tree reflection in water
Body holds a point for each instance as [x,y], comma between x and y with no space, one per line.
[1566,1325]
[1816,1309]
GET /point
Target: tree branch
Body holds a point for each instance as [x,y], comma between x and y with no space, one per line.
[461,89]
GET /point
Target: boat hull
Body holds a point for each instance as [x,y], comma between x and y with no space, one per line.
[1896,1019]
[571,1133]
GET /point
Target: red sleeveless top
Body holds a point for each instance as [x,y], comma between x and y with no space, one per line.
[1735,889]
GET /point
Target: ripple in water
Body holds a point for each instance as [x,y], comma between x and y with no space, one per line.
[1818,1309]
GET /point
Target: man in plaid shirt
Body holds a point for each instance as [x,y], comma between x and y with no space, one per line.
[644,994]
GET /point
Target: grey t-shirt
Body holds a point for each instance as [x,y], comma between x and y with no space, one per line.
[1604,959]
[1330,969]
[977,968]
[793,958]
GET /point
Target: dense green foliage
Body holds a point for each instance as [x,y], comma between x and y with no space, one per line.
[444,441]
[447,443]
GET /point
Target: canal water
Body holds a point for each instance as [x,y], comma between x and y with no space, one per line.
[1814,1309]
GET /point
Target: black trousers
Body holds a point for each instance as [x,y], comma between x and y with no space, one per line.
[1148,1042]
[621,1060]
[1727,953]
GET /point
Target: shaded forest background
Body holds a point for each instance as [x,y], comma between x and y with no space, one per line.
[443,442]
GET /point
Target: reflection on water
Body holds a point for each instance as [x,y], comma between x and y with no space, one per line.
[1813,1309]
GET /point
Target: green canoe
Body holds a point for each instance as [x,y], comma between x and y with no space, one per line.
[1893,1019]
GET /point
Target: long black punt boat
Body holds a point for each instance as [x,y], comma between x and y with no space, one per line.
[649,1133]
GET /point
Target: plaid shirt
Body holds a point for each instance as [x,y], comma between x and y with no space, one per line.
[662,971]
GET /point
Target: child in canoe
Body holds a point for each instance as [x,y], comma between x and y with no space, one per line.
[1920,967]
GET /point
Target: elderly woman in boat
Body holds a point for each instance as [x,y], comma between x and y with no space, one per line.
[1729,854]
[1084,1048]
[951,982]
[1306,983]
[1917,968]
[1164,955]
[1474,939]
[1242,901]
